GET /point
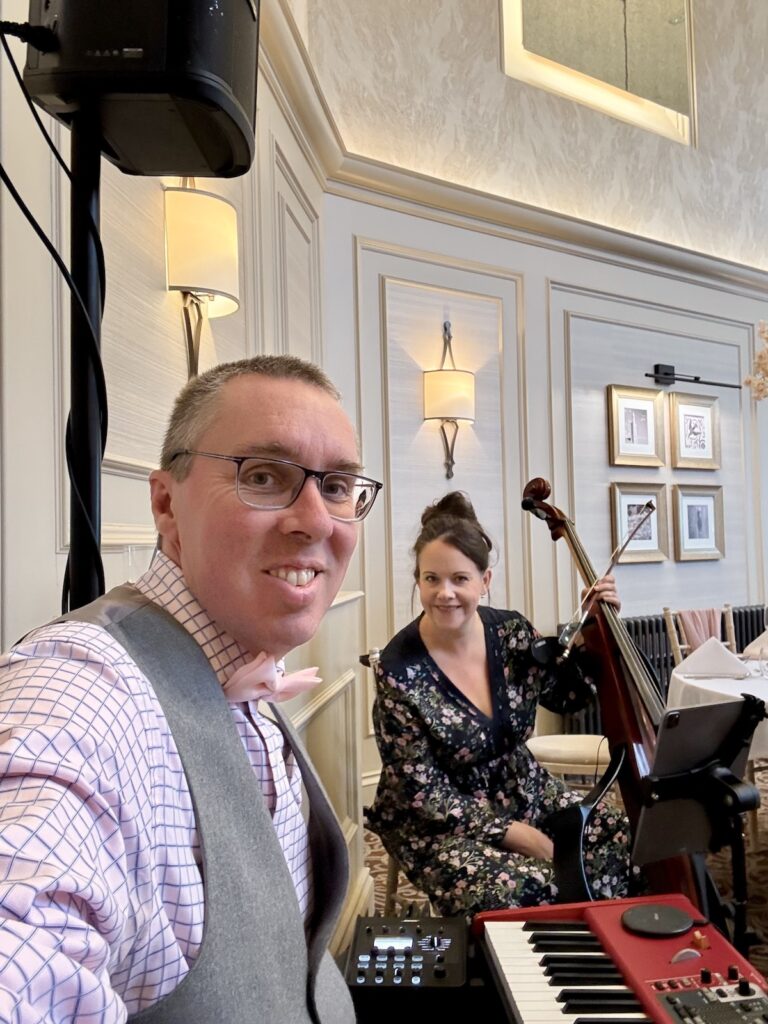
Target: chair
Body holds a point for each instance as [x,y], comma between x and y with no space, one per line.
[582,754]
[687,630]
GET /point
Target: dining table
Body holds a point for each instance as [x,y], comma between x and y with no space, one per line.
[687,689]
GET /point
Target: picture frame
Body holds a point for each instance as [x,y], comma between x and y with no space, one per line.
[699,525]
[652,542]
[695,431]
[635,426]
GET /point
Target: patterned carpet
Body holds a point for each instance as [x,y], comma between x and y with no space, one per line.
[757,877]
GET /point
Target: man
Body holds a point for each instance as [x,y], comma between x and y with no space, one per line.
[120,841]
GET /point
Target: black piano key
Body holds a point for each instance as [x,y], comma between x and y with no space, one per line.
[564,943]
[610,1020]
[576,980]
[571,962]
[585,1001]
[554,926]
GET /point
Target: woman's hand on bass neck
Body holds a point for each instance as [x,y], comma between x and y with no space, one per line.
[527,840]
[605,590]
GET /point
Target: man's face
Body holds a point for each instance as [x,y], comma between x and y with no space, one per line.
[266,577]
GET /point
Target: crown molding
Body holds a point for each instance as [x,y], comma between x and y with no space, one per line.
[359,177]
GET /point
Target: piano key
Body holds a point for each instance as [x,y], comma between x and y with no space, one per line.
[530,992]
[597,1000]
[610,1020]
[595,965]
[554,926]
[564,943]
[569,979]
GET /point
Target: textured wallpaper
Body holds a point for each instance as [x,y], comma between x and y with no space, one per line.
[420,86]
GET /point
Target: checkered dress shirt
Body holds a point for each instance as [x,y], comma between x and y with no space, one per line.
[101,900]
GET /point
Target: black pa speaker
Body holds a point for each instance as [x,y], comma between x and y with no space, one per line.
[172,83]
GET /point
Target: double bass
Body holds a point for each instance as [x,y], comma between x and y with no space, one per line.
[631,709]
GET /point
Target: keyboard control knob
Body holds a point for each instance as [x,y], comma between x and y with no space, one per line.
[733,973]
[744,988]
[706,976]
[439,970]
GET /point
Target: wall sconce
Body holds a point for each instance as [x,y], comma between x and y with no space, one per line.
[201,259]
[449,396]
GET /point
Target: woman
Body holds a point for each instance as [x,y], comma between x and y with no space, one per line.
[461,803]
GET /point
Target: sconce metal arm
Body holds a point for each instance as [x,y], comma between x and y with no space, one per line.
[192,316]
[447,350]
[449,445]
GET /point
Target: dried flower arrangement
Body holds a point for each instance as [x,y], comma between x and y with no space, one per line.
[758,381]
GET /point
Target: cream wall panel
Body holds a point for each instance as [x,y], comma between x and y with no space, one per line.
[29,348]
[413,317]
[289,200]
[600,339]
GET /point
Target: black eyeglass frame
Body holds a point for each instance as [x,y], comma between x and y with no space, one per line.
[318,474]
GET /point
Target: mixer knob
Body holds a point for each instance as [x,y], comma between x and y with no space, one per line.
[733,973]
[706,976]
[439,970]
[744,988]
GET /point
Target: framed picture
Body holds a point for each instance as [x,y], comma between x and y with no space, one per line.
[699,529]
[695,428]
[635,426]
[651,542]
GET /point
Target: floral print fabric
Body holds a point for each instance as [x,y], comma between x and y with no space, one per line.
[453,779]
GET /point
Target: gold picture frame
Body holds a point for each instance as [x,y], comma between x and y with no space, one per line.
[699,525]
[635,426]
[651,544]
[694,422]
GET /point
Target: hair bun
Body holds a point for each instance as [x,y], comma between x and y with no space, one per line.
[455,504]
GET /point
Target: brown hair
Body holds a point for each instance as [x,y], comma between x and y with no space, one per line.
[453,520]
[196,404]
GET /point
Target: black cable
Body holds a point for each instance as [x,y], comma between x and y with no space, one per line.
[93,346]
[93,354]
[45,40]
[52,146]
[42,38]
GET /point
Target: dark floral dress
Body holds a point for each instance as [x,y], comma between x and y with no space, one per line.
[454,779]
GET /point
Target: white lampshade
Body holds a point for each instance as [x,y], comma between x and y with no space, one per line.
[201,248]
[449,395]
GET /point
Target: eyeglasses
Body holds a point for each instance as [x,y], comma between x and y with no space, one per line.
[274,484]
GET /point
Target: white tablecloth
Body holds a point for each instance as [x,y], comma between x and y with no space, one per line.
[685,691]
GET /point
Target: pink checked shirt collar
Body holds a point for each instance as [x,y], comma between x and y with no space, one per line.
[242,677]
[164,583]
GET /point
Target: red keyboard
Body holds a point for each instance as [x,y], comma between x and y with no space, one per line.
[595,963]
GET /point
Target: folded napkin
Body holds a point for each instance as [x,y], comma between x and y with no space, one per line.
[711,659]
[266,679]
[760,643]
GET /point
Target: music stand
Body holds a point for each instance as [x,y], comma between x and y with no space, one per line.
[694,794]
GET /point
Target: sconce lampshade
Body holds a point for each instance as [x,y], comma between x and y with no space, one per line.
[449,395]
[201,248]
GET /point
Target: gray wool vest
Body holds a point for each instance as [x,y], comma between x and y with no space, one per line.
[258,964]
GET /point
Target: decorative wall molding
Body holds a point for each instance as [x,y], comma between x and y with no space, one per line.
[325,696]
[372,182]
[347,597]
[133,469]
[294,208]
[123,535]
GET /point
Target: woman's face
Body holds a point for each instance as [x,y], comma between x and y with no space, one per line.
[450,585]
